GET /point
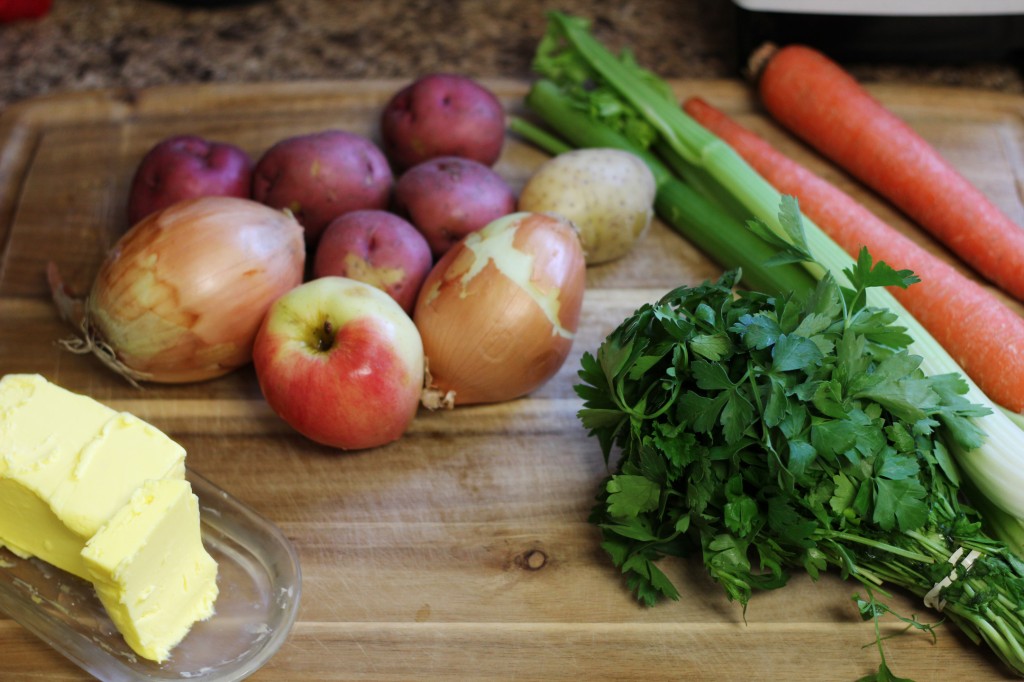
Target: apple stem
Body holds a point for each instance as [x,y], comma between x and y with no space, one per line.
[325,339]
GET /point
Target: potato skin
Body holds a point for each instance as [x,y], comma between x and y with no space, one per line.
[320,176]
[376,247]
[608,194]
[442,115]
[187,167]
[448,197]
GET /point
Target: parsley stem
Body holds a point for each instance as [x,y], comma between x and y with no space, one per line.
[885,547]
[667,404]
[927,542]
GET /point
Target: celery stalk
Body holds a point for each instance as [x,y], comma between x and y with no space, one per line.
[998,523]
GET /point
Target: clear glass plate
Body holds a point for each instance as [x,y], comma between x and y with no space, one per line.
[260,584]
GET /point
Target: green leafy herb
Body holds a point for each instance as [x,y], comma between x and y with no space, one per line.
[768,434]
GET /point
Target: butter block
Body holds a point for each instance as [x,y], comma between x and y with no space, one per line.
[67,464]
[150,569]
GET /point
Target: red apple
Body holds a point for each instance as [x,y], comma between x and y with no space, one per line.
[341,363]
[376,247]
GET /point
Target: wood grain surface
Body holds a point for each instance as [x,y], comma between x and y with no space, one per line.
[461,551]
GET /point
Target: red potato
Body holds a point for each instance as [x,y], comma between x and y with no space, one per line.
[442,115]
[449,197]
[320,176]
[378,248]
[187,167]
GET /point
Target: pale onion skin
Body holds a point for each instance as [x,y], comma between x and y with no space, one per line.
[182,294]
[486,334]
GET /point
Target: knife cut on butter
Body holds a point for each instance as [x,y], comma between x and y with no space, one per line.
[102,494]
[153,575]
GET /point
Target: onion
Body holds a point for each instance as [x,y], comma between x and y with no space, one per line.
[182,294]
[498,312]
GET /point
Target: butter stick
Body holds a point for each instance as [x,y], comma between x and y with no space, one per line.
[102,494]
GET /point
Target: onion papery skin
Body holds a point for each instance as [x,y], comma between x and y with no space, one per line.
[182,293]
[499,311]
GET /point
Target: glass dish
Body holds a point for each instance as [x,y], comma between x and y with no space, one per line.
[260,584]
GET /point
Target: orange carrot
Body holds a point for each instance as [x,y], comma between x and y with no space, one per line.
[982,334]
[817,100]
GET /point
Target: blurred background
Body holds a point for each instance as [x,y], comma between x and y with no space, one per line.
[69,45]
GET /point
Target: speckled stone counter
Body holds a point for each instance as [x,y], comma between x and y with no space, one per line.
[88,44]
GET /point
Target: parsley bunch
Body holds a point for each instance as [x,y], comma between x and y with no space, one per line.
[767,434]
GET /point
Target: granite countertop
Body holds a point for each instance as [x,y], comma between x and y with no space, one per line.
[89,44]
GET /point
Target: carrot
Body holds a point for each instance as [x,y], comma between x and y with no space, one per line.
[983,334]
[821,103]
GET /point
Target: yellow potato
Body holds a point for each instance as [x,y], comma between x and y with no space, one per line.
[608,194]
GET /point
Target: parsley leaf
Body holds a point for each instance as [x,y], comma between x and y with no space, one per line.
[632,495]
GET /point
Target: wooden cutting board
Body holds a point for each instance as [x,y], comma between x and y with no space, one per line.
[461,551]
